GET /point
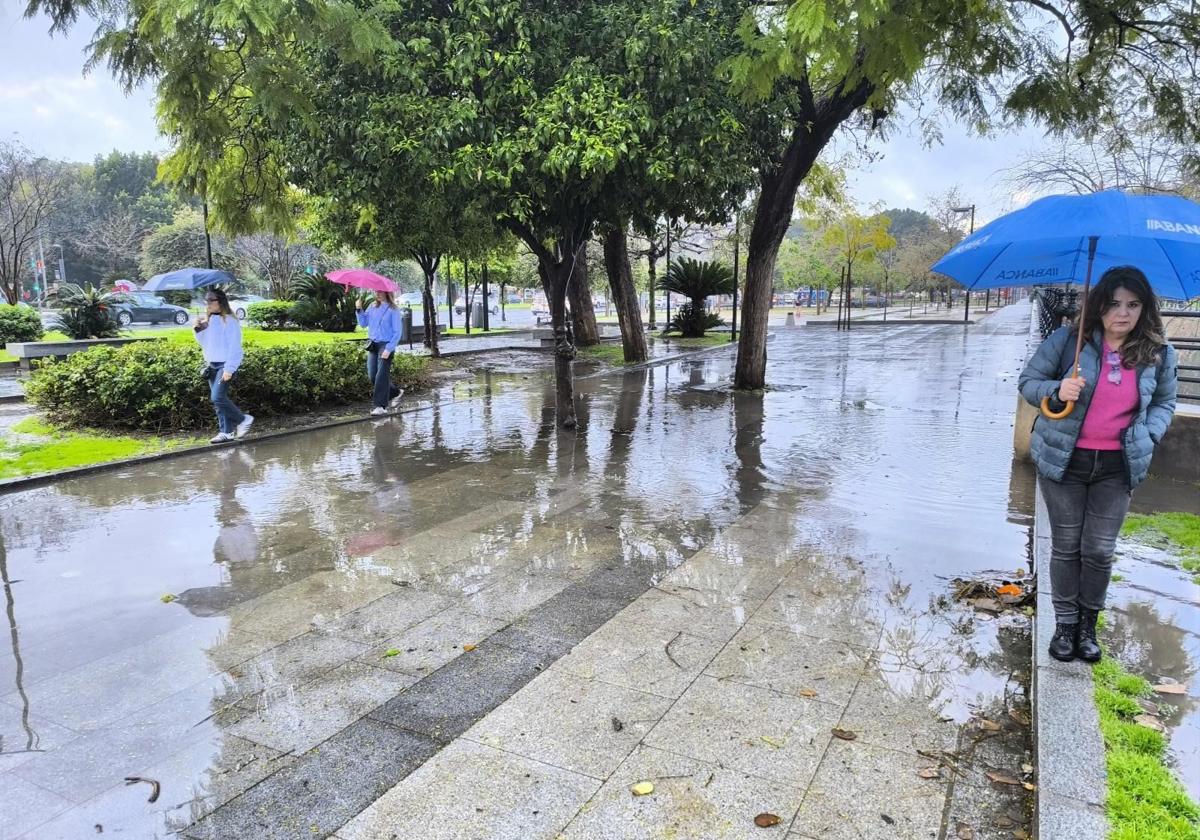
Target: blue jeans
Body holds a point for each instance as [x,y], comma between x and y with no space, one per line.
[228,414]
[379,371]
[1086,511]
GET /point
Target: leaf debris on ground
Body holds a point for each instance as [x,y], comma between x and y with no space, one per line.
[844,734]
[766,820]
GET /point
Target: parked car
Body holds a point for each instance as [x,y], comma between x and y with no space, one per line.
[239,303]
[460,305]
[147,307]
[410,299]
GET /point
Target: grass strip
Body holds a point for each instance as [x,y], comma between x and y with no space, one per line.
[1179,531]
[36,447]
[1145,801]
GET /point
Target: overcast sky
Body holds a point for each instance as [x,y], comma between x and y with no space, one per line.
[53,108]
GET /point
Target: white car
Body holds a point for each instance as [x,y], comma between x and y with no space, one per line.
[411,299]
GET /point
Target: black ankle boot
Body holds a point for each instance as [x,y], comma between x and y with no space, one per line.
[1086,647]
[1062,646]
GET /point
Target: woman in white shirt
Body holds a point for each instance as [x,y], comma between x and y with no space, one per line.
[221,339]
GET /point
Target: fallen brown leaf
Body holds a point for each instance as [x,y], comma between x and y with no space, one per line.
[929,773]
[1150,722]
[468,648]
[1148,706]
[642,788]
[844,734]
[988,725]
[1001,778]
[1029,785]
[766,820]
[807,692]
[1020,834]
[987,605]
[1170,688]
[964,832]
[1019,717]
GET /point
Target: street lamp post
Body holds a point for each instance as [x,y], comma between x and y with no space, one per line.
[967,305]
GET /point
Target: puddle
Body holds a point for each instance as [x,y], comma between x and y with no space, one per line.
[1154,623]
[888,452]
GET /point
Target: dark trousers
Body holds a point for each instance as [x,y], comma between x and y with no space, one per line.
[379,371]
[1086,511]
[228,414]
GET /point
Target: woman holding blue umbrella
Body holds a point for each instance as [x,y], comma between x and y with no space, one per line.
[1106,385]
[1122,382]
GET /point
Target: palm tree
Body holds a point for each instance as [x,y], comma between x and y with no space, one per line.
[696,280]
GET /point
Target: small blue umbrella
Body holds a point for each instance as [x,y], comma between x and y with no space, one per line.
[1048,242]
[186,279]
[1063,238]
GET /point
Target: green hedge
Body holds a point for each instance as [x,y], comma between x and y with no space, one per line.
[156,385]
[19,323]
[270,314]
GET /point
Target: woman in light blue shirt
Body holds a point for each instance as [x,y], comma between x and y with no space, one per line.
[382,320]
[220,336]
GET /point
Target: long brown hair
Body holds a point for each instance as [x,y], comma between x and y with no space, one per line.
[1144,345]
[389,297]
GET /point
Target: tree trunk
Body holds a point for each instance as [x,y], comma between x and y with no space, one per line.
[583,310]
[777,201]
[558,278]
[624,295]
[429,265]
[652,267]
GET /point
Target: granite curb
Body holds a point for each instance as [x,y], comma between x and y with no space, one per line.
[1066,723]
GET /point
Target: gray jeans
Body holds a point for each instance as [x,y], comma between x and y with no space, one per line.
[1086,511]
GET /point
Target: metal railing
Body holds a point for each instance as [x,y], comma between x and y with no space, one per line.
[1183,331]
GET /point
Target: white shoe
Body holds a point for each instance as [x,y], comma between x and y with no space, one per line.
[244,426]
[378,412]
[395,402]
[221,438]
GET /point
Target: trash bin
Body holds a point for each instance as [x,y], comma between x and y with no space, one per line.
[406,331]
[477,313]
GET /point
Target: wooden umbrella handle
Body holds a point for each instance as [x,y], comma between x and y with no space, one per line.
[1070,405]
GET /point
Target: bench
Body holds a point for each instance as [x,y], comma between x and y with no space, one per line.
[27,351]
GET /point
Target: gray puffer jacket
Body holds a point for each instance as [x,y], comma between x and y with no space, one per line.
[1054,440]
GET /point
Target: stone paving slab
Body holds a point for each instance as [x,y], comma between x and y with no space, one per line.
[448,701]
[691,799]
[423,648]
[899,719]
[865,791]
[300,718]
[584,738]
[773,656]
[324,788]
[633,655]
[473,792]
[754,730]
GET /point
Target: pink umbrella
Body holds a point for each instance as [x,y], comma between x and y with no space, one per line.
[362,279]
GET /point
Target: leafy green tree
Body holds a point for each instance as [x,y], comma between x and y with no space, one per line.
[856,240]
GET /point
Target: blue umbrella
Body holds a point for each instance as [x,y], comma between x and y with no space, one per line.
[1048,242]
[186,279]
[1063,237]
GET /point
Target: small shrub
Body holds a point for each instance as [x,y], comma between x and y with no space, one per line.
[691,322]
[270,314]
[19,323]
[157,385]
[324,305]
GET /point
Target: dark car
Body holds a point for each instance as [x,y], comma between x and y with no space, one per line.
[147,307]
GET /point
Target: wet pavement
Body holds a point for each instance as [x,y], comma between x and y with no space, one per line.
[462,623]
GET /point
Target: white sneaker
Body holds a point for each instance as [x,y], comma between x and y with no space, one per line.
[378,412]
[221,438]
[244,426]
[395,402]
